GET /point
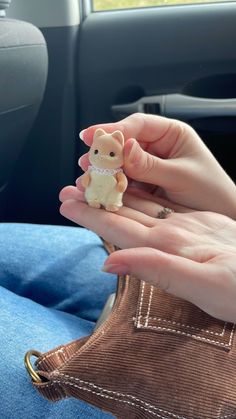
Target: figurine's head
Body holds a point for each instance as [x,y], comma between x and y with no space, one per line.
[106,151]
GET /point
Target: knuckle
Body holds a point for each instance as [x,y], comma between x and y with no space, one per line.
[170,238]
[149,165]
[137,119]
[184,130]
[137,115]
[179,128]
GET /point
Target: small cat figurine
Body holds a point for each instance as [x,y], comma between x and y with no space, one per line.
[104,181]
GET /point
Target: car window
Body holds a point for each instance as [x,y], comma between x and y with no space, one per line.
[99,5]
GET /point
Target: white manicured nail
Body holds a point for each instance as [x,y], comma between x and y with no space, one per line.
[81,134]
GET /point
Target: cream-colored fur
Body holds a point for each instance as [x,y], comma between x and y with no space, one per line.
[104,181]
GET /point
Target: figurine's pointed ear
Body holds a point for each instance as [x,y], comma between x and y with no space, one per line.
[119,136]
[98,133]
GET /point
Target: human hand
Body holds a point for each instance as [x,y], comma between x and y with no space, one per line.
[169,155]
[189,254]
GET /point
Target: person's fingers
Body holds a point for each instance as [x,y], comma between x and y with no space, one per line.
[145,167]
[141,165]
[71,192]
[142,205]
[135,208]
[182,277]
[142,217]
[141,162]
[79,185]
[113,227]
[146,129]
[84,162]
[138,198]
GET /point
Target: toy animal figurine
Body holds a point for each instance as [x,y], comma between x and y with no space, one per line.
[104,181]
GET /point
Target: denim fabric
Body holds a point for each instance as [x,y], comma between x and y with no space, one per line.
[51,292]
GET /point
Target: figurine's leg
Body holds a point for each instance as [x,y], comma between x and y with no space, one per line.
[114,201]
[94,204]
[112,207]
[92,198]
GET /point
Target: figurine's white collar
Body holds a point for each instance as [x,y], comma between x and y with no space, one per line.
[109,172]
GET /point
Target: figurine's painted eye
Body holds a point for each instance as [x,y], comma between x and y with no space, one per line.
[95,151]
[112,154]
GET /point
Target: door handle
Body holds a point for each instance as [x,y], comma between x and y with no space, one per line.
[178,106]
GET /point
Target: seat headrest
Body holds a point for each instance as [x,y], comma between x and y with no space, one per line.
[4,4]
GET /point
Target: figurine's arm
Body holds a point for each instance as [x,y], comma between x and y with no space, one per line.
[85,179]
[122,182]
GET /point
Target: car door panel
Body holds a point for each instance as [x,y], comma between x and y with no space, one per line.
[127,56]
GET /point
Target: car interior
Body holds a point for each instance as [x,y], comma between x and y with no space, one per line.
[64,67]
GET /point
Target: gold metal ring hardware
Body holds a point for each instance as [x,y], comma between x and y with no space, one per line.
[33,374]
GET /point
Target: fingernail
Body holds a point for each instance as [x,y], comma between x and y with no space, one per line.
[81,134]
[115,269]
[79,161]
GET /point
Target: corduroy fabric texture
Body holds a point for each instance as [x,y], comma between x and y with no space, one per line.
[156,356]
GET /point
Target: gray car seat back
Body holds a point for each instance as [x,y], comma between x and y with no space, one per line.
[23,74]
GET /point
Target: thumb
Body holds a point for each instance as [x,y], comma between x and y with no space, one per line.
[143,166]
[176,275]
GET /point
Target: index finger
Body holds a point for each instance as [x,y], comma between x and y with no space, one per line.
[143,127]
[122,231]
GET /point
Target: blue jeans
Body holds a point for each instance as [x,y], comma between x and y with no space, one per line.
[51,292]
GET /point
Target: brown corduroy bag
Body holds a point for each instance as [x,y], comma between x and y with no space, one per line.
[155,356]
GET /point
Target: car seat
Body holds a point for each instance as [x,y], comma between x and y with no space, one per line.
[23,74]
